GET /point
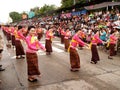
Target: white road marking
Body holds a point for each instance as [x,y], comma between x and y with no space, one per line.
[41,53]
[59,44]
[13,57]
[52,41]
[57,49]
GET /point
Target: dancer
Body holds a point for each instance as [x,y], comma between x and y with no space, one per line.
[94,42]
[112,43]
[48,43]
[19,48]
[39,33]
[33,45]
[74,56]
[66,39]
[62,33]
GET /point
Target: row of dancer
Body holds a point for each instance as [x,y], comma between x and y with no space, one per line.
[29,35]
[110,43]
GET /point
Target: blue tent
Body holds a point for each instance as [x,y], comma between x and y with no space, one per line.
[79,13]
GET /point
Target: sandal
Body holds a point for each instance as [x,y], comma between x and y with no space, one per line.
[110,57]
[93,62]
[74,70]
[32,80]
[22,57]
[18,57]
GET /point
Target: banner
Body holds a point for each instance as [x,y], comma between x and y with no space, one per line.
[79,13]
[24,16]
[31,14]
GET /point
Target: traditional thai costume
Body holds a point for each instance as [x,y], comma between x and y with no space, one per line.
[48,43]
[74,56]
[66,39]
[62,33]
[33,45]
[94,42]
[112,43]
[18,44]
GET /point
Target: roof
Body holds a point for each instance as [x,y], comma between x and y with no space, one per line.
[102,5]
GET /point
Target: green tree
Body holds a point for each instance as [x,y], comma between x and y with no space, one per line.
[15,16]
[83,1]
[116,0]
[67,3]
[47,9]
[36,10]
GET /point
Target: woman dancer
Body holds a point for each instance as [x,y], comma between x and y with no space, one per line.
[74,57]
[33,45]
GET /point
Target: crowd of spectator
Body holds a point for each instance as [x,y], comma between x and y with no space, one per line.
[105,22]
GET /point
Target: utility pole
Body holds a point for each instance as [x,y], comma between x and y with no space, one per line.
[74,2]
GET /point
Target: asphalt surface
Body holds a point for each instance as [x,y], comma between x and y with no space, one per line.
[55,70]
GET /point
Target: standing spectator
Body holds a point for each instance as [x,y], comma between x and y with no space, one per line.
[103,35]
[1,49]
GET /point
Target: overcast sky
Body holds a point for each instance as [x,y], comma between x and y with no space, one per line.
[7,6]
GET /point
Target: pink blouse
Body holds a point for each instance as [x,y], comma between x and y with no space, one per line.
[33,46]
[67,35]
[49,35]
[19,35]
[12,31]
[76,41]
[62,32]
[113,39]
[95,40]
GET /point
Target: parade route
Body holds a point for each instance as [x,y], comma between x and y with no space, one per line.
[56,74]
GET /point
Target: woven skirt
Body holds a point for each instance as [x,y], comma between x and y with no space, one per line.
[48,46]
[74,58]
[32,64]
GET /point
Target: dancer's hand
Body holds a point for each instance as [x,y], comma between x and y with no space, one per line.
[44,50]
[87,45]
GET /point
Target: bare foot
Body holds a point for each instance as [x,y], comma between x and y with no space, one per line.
[39,76]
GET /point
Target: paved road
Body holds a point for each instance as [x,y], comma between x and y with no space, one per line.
[56,74]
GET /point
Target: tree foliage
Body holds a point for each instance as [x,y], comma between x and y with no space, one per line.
[47,8]
[15,16]
[67,3]
[36,10]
